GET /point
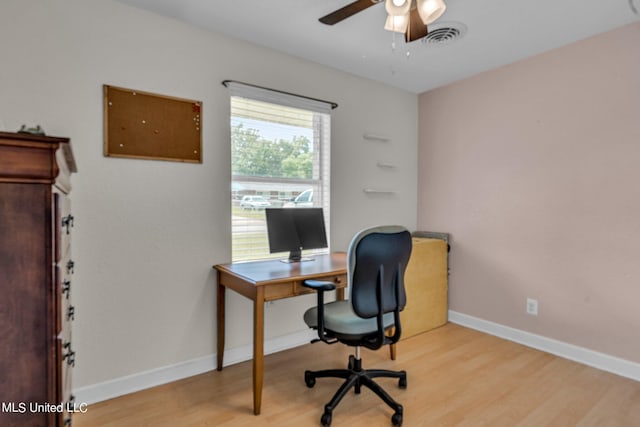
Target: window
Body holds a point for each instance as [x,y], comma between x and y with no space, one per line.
[279,158]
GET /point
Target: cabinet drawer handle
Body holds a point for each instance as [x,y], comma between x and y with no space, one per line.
[337,280]
[70,265]
[70,406]
[67,222]
[70,355]
[66,288]
[71,313]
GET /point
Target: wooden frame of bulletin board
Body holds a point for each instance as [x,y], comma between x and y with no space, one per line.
[148,126]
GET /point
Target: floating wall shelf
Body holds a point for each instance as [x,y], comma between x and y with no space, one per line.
[376,138]
[383,165]
[377,191]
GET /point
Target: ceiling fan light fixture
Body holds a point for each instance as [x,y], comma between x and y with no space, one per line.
[397,23]
[397,7]
[430,10]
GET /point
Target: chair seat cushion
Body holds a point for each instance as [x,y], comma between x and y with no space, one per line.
[340,318]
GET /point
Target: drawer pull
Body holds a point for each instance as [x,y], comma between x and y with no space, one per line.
[67,222]
[71,313]
[70,265]
[71,406]
[66,288]
[337,280]
[70,355]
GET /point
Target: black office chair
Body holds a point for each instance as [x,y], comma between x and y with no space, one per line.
[376,261]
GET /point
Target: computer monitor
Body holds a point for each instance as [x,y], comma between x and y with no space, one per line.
[294,229]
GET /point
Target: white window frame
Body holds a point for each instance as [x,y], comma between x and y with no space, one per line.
[320,181]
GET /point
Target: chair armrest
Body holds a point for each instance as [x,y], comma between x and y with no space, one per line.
[319,285]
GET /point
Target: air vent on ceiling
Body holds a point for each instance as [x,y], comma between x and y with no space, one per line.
[445,33]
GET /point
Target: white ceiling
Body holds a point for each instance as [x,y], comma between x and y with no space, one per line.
[498,32]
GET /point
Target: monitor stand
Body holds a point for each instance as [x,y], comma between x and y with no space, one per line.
[295,256]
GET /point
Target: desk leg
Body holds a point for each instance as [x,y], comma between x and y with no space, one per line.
[220,314]
[258,349]
[392,351]
[392,347]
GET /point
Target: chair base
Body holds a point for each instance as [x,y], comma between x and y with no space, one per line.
[355,377]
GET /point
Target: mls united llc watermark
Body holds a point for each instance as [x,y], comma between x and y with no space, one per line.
[34,407]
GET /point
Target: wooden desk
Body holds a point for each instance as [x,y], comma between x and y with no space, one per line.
[262,281]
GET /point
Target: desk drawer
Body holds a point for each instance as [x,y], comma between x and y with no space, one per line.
[281,290]
[291,289]
[340,280]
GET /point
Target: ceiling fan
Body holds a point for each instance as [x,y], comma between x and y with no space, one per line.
[410,17]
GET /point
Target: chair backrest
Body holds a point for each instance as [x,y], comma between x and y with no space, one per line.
[376,262]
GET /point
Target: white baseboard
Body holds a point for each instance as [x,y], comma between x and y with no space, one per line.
[143,380]
[582,355]
[166,374]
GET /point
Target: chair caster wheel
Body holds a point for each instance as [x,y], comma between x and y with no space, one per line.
[326,419]
[309,380]
[402,382]
[396,419]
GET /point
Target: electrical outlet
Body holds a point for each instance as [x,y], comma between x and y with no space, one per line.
[532,306]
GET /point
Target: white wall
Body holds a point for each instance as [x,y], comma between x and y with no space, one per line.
[148,232]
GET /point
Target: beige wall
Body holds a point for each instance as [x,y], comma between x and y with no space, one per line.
[534,169]
[148,232]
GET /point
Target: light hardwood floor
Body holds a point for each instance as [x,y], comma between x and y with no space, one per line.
[456,377]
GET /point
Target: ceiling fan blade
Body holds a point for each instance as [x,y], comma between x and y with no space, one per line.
[347,11]
[416,28]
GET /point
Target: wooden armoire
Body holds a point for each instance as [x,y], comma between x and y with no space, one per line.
[36,275]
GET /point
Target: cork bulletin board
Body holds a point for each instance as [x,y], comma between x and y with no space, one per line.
[149,126]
